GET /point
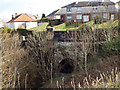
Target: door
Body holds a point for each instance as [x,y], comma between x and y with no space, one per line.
[85,18]
[112,16]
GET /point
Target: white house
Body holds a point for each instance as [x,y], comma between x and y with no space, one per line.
[1,25]
[22,20]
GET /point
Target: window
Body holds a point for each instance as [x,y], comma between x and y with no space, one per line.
[79,16]
[79,9]
[86,18]
[69,9]
[69,17]
[105,15]
[95,8]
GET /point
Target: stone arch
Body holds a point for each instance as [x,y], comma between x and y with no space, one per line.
[66,66]
[89,58]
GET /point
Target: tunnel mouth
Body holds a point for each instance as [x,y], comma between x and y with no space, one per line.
[66,66]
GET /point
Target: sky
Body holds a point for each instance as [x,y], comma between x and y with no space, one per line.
[10,7]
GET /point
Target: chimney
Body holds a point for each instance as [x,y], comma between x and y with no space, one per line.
[12,16]
[16,14]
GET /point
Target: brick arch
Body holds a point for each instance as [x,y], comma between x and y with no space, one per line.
[66,66]
[90,57]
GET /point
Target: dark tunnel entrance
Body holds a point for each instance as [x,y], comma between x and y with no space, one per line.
[66,66]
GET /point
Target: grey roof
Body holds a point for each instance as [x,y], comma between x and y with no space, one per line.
[70,5]
[92,3]
[80,4]
[53,13]
[118,2]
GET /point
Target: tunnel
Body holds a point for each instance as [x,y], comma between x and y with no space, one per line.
[66,66]
[90,58]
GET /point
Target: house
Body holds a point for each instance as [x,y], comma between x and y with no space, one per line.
[22,20]
[54,15]
[85,11]
[118,5]
[118,8]
[36,17]
[1,24]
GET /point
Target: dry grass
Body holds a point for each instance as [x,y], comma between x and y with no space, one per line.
[26,68]
[106,80]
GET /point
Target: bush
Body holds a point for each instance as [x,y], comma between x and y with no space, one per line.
[72,24]
[69,23]
[24,32]
[97,20]
[54,22]
[112,46]
[7,29]
[43,20]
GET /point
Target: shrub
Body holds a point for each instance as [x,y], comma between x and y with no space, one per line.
[43,20]
[112,46]
[97,20]
[24,32]
[69,23]
[54,22]
[7,29]
[72,24]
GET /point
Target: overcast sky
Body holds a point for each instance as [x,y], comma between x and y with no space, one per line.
[9,7]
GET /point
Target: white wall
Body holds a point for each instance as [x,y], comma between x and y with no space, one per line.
[31,25]
[57,17]
[118,6]
[1,24]
[16,25]
[10,25]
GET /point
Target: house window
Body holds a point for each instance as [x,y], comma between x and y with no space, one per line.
[105,16]
[86,18]
[69,9]
[79,16]
[69,17]
[79,9]
[95,8]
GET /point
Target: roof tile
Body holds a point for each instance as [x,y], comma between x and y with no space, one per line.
[22,18]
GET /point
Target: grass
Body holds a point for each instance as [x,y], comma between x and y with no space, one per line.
[42,27]
[109,24]
[102,74]
[63,27]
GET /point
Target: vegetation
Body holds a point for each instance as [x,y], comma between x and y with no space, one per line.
[54,22]
[72,26]
[41,27]
[31,63]
[98,20]
[24,32]
[6,29]
[43,15]
[112,46]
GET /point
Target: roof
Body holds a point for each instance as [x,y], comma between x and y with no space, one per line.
[80,4]
[70,5]
[118,2]
[53,13]
[91,3]
[22,18]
